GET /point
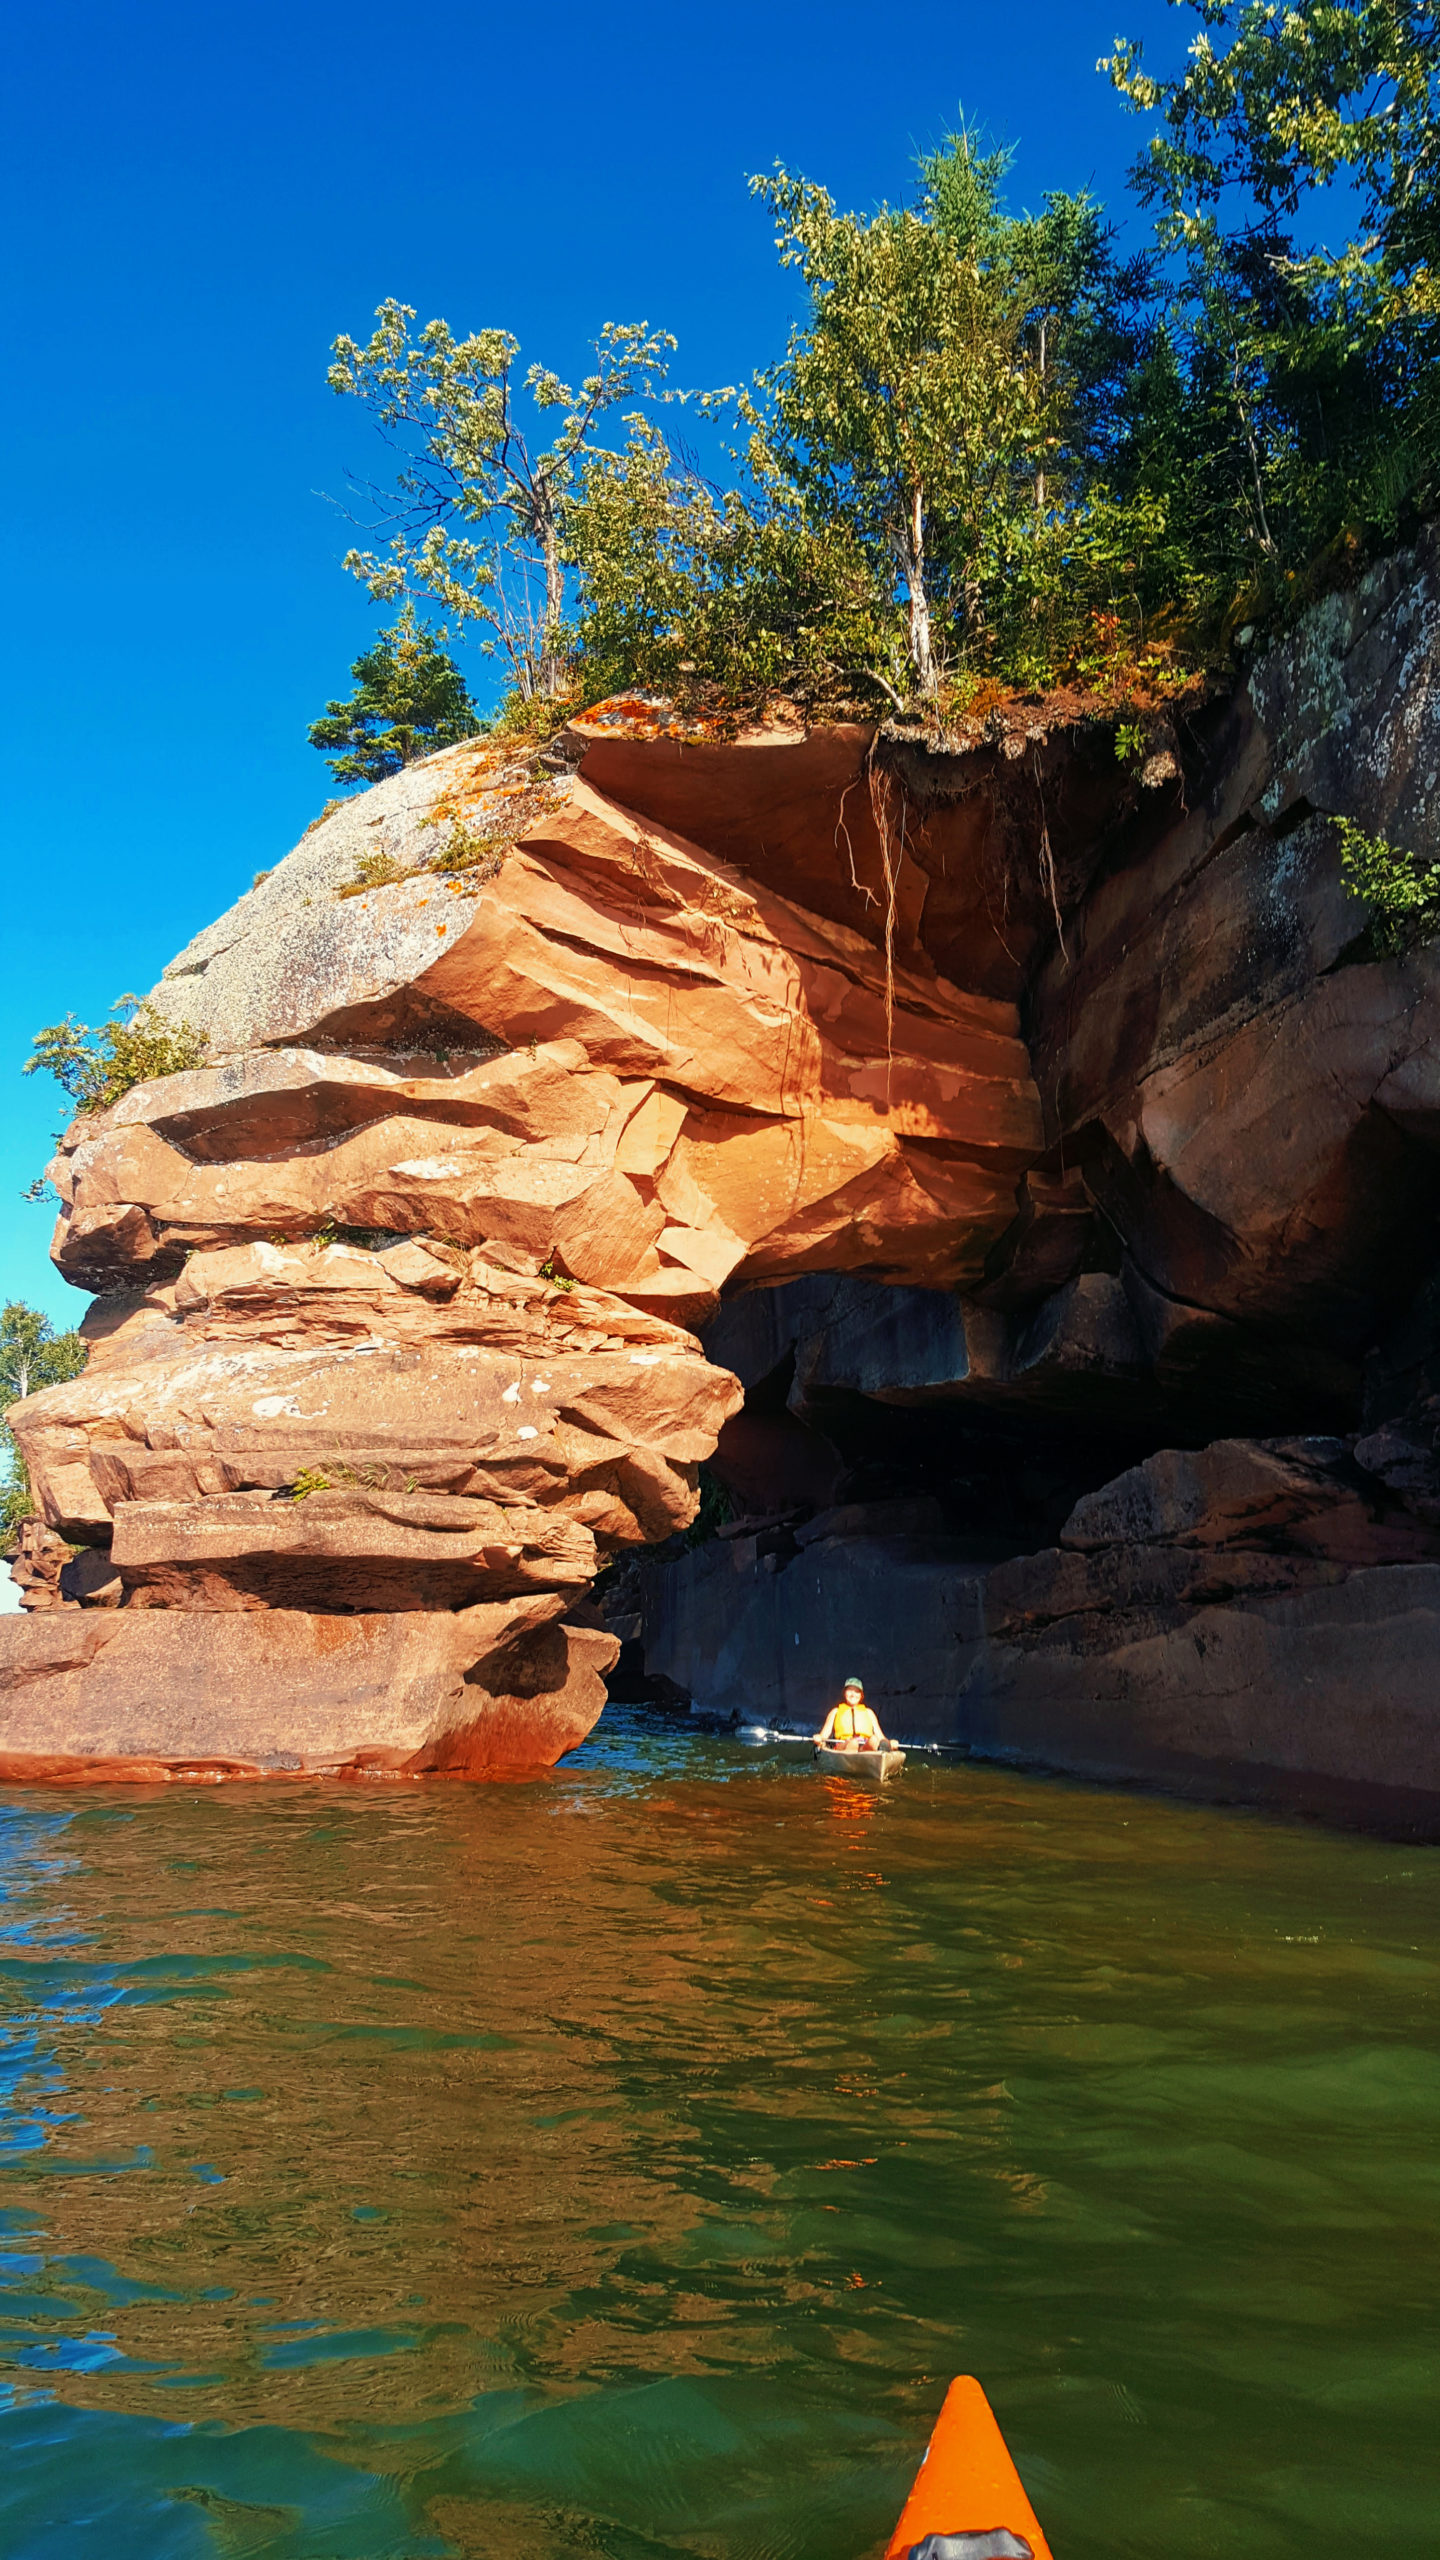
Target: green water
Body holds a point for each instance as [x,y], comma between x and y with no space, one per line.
[621,2163]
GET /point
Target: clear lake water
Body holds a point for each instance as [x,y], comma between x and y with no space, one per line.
[621,2162]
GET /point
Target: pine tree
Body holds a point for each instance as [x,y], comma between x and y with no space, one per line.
[410,697]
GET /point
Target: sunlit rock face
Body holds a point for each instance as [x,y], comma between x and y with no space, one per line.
[399,1289]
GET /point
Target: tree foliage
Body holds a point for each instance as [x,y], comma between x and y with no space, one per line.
[1402,890]
[995,448]
[476,510]
[943,398]
[16,1499]
[32,1355]
[739,591]
[1310,412]
[410,697]
[96,1066]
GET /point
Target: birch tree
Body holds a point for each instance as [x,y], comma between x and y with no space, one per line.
[908,404]
[475,513]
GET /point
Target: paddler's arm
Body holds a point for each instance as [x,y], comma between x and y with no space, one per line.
[828,1727]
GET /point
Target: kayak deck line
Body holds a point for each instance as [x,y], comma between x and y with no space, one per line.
[968,2502]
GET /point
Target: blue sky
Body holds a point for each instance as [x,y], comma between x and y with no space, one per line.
[198,200]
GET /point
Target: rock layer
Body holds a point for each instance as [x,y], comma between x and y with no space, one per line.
[293,1693]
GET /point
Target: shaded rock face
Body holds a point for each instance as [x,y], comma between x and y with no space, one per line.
[1011,1175]
[1252,1100]
[1229,1232]
[1257,1621]
[1260,1617]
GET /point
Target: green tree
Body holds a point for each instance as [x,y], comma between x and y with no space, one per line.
[410,697]
[1310,369]
[992,445]
[16,1499]
[96,1067]
[477,507]
[906,405]
[1061,538]
[32,1355]
[925,482]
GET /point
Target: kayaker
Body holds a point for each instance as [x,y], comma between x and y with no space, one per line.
[852,1726]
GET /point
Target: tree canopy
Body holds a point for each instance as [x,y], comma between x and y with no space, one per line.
[476,510]
[32,1354]
[999,447]
[1308,364]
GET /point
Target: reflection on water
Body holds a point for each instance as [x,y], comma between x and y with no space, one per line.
[620,2163]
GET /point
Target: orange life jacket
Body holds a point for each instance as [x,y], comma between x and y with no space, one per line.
[855,1724]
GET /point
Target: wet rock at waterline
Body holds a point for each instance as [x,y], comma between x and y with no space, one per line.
[213,1694]
[979,1201]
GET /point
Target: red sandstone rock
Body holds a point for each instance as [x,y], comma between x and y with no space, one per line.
[173,1694]
[1251,1093]
[1321,1697]
[1297,1497]
[343,1550]
[37,1558]
[513,1392]
[645,1074]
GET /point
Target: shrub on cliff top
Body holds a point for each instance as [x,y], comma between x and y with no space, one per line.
[96,1067]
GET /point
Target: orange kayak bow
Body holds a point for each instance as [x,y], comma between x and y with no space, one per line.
[967,2502]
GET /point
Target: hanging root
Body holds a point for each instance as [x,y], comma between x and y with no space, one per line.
[1048,881]
[890,857]
[842,830]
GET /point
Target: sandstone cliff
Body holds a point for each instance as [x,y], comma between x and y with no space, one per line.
[395,1293]
[1230,1231]
[998,1116]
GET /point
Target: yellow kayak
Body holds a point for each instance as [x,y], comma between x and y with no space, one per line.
[859,1764]
[968,2502]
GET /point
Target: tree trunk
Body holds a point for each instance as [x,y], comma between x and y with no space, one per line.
[549,670]
[1040,474]
[909,544]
